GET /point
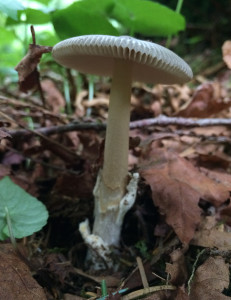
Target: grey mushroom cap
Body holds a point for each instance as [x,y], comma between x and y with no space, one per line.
[96,54]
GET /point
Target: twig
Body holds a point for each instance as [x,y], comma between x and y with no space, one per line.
[41,135]
[36,69]
[143,292]
[142,273]
[59,129]
[33,34]
[179,121]
[159,121]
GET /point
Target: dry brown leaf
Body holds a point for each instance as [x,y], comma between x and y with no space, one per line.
[218,176]
[162,295]
[182,170]
[54,98]
[177,269]
[15,278]
[178,294]
[176,200]
[27,67]
[210,280]
[207,100]
[211,130]
[177,95]
[226,214]
[211,235]
[213,160]
[181,294]
[226,52]
[96,102]
[79,107]
[177,186]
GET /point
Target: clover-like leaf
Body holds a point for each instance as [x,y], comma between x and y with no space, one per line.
[27,214]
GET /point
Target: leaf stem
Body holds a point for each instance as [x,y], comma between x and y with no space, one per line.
[177,10]
[9,225]
[103,288]
[194,269]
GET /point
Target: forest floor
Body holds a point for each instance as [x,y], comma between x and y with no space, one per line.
[176,239]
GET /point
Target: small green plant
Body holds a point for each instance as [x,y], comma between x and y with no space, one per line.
[142,247]
[20,213]
[103,288]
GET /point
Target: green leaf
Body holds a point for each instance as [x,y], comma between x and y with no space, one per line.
[84,17]
[27,214]
[45,2]
[10,49]
[100,6]
[47,38]
[11,7]
[7,36]
[33,16]
[147,18]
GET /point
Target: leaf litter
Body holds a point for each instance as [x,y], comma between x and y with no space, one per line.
[183,201]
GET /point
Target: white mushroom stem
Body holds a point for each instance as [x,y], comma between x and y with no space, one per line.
[115,167]
[107,227]
[108,224]
[111,191]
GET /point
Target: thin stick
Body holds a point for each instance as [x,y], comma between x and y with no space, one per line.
[33,34]
[36,69]
[142,273]
[177,10]
[158,276]
[141,293]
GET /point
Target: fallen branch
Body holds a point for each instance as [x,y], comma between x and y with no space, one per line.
[179,121]
[159,121]
[58,129]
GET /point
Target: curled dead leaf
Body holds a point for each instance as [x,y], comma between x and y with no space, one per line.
[207,100]
[177,186]
[54,98]
[211,235]
[15,277]
[210,280]
[27,67]
[177,269]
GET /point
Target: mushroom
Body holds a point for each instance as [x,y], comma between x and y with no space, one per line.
[124,59]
